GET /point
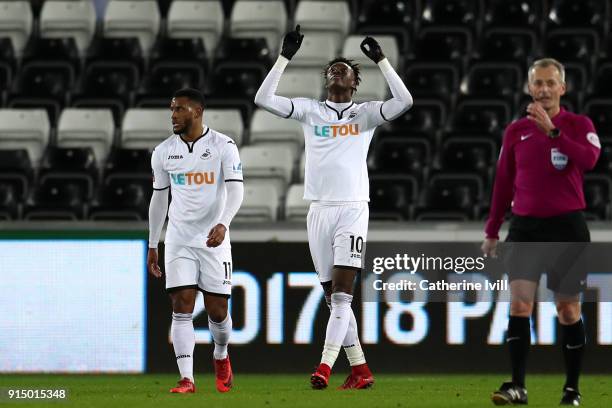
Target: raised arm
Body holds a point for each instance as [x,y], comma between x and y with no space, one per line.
[266,97]
[402,99]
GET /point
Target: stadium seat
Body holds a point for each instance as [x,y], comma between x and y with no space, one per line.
[351,50]
[72,165]
[116,80]
[514,13]
[52,107]
[7,54]
[572,45]
[244,105]
[404,155]
[254,19]
[576,79]
[92,128]
[260,203]
[329,19]
[602,83]
[122,50]
[16,23]
[401,13]
[315,52]
[53,49]
[180,50]
[486,79]
[598,196]
[69,19]
[296,83]
[584,13]
[271,163]
[16,172]
[489,116]
[433,80]
[428,116]
[9,203]
[166,77]
[469,155]
[444,44]
[237,80]
[245,50]
[139,18]
[116,106]
[455,194]
[56,199]
[296,208]
[507,44]
[604,164]
[451,12]
[392,197]
[52,79]
[373,87]
[122,197]
[128,161]
[145,128]
[401,34]
[227,121]
[197,19]
[598,110]
[266,128]
[25,129]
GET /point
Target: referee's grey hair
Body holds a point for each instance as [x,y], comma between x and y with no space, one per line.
[547,62]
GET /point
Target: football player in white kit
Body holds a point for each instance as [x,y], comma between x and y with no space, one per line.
[202,169]
[337,136]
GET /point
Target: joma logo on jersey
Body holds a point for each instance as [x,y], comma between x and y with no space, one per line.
[175,157]
[188,179]
[336,130]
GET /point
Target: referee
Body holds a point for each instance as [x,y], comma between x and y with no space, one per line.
[540,174]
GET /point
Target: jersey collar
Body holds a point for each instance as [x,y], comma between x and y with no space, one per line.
[338,105]
[191,144]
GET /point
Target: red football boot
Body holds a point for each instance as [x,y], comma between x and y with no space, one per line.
[320,378]
[360,378]
[185,386]
[223,375]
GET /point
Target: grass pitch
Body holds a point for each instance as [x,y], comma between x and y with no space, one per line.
[293,391]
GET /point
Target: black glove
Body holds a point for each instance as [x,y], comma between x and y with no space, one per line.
[372,50]
[292,42]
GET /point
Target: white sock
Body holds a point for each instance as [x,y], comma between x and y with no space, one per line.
[351,343]
[337,327]
[183,340]
[221,334]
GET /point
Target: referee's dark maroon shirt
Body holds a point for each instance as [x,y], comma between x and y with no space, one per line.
[540,176]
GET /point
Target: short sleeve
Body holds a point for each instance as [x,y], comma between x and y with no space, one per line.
[161,179]
[230,162]
[373,114]
[299,108]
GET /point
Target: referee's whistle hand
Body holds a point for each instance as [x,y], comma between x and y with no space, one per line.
[489,247]
[152,263]
[216,236]
[537,114]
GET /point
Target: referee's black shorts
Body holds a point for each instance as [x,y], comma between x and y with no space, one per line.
[558,249]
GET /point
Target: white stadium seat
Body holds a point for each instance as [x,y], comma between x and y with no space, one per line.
[76,19]
[267,18]
[16,23]
[25,129]
[373,87]
[330,18]
[145,128]
[297,83]
[197,19]
[316,51]
[138,18]
[260,203]
[226,121]
[296,208]
[388,43]
[93,128]
[267,128]
[274,163]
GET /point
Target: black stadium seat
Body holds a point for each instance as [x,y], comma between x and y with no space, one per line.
[180,50]
[507,45]
[234,79]
[72,165]
[602,83]
[404,155]
[46,79]
[583,13]
[244,50]
[434,80]
[16,171]
[486,79]
[427,116]
[122,160]
[392,197]
[402,13]
[598,196]
[598,110]
[56,199]
[9,205]
[455,194]
[468,155]
[451,12]
[116,80]
[604,164]
[122,199]
[514,13]
[166,77]
[444,44]
[7,53]
[53,49]
[481,116]
[572,45]
[117,50]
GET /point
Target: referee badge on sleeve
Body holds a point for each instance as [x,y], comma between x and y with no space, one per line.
[558,159]
[593,139]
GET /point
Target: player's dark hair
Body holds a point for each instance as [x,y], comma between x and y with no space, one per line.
[192,94]
[354,66]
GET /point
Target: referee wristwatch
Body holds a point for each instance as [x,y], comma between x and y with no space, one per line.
[554,133]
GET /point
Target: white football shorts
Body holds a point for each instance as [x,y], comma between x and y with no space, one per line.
[337,235]
[207,269]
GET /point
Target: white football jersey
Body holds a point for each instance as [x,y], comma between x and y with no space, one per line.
[196,173]
[337,138]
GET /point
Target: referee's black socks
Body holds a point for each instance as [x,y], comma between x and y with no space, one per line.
[573,342]
[518,338]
